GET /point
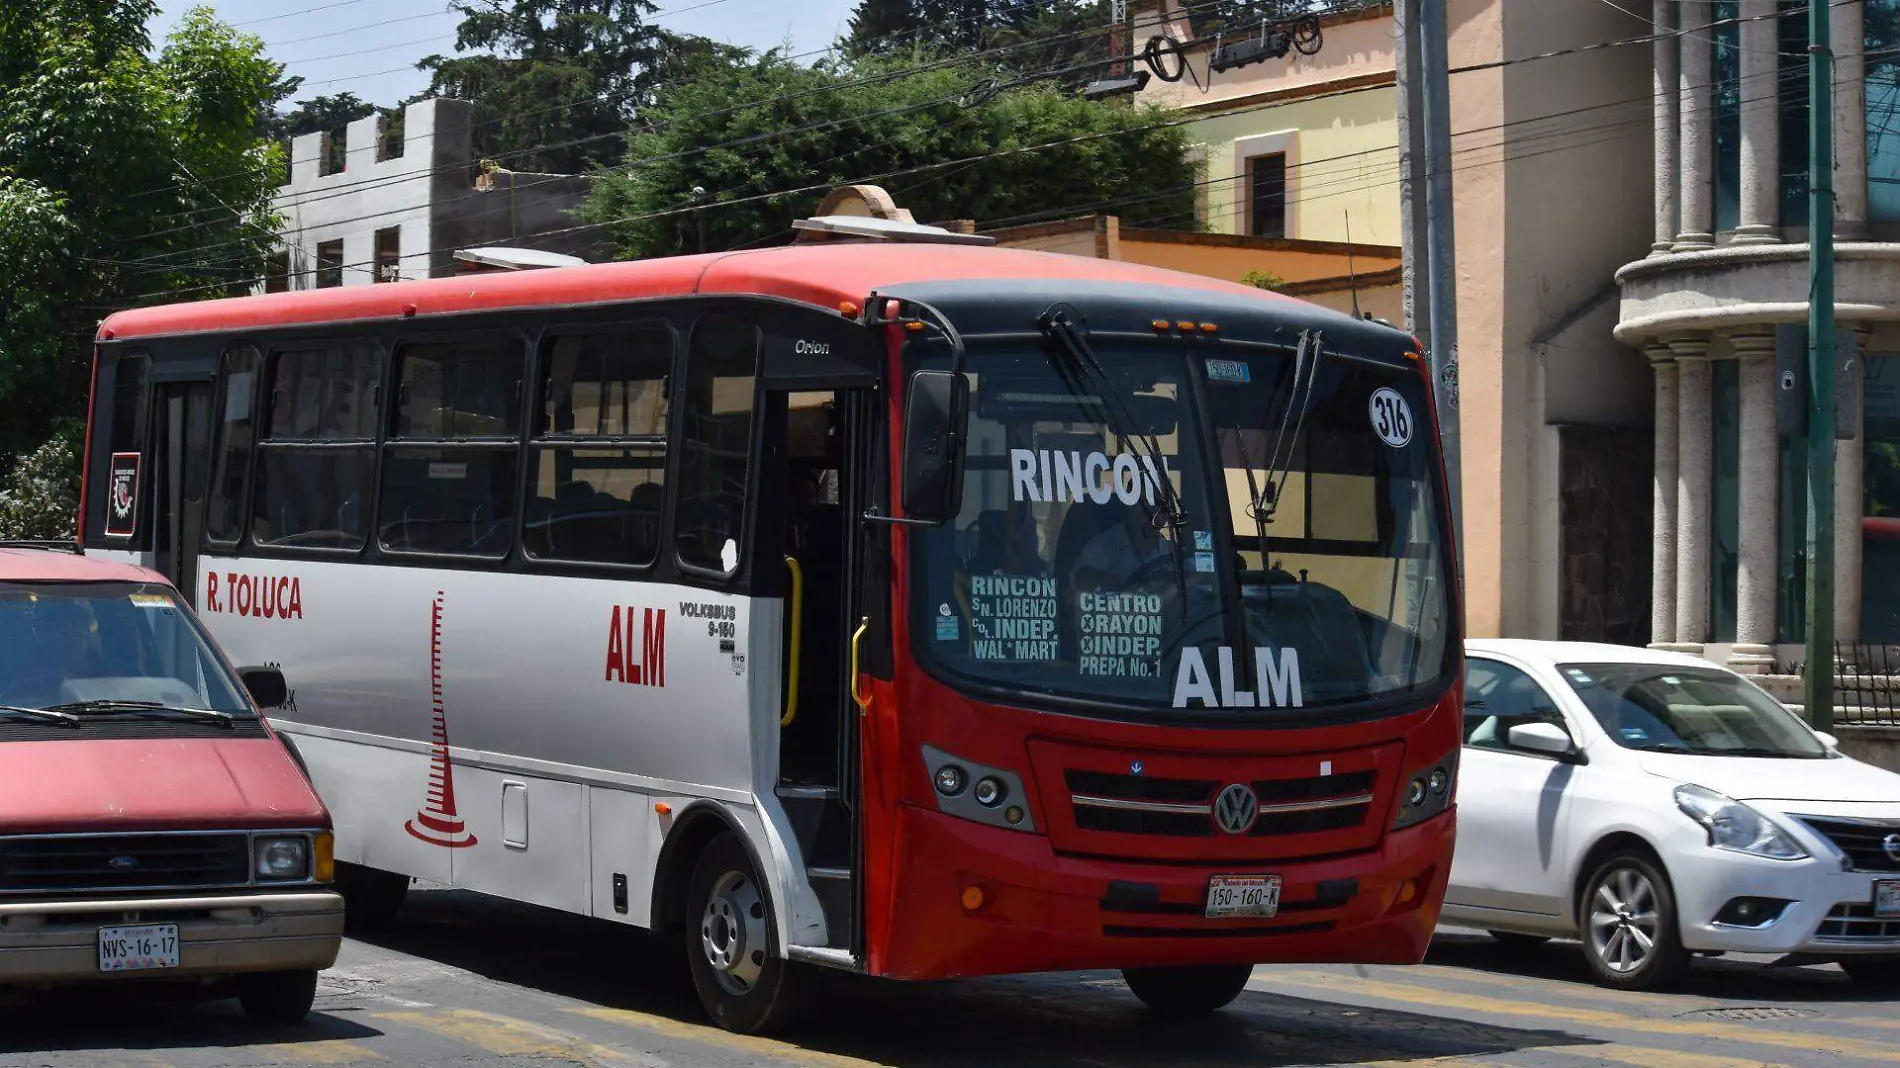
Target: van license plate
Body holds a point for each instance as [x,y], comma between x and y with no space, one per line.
[133,949]
[1887,898]
[1243,895]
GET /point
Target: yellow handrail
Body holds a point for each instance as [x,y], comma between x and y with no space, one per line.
[798,636]
[857,638]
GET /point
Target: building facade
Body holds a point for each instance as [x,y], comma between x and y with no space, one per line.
[400,209]
[1724,284]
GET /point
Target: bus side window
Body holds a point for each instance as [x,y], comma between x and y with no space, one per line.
[317,463]
[721,385]
[450,465]
[231,455]
[597,473]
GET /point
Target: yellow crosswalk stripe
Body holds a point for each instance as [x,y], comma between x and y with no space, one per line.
[764,1047]
[322,1051]
[1742,1034]
[509,1037]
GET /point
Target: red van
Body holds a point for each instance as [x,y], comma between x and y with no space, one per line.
[152,827]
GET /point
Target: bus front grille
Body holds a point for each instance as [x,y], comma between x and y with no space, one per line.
[1139,804]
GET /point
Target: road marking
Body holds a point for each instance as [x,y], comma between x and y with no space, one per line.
[321,1051]
[765,1047]
[1650,1057]
[509,1037]
[1738,1033]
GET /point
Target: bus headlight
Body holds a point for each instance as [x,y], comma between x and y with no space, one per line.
[984,802]
[1427,791]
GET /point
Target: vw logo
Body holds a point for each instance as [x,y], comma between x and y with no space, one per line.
[1236,808]
[1892,846]
[122,863]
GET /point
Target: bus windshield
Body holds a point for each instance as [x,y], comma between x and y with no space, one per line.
[1254,534]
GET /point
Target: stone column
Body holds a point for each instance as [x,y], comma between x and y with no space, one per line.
[1697,156]
[1662,583]
[1761,127]
[1694,479]
[1849,455]
[1664,83]
[1759,491]
[1846,25]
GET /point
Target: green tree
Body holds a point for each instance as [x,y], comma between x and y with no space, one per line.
[554,82]
[123,177]
[745,130]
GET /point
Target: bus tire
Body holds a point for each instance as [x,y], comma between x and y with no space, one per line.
[743,981]
[371,897]
[1188,991]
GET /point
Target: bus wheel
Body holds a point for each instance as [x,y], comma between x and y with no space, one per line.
[732,943]
[370,897]
[1188,991]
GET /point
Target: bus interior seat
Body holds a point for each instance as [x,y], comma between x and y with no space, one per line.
[988,541]
[1318,621]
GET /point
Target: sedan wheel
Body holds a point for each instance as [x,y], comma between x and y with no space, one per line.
[1629,925]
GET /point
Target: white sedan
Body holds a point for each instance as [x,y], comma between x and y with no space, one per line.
[1656,806]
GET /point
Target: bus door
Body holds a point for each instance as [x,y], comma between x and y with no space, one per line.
[181,461]
[818,469]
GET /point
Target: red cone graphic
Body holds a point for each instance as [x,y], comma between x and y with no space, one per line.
[437,822]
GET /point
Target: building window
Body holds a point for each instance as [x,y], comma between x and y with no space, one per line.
[1880,523]
[1882,19]
[330,264]
[1266,193]
[717,443]
[450,468]
[598,470]
[277,274]
[389,254]
[1728,112]
[1792,68]
[317,463]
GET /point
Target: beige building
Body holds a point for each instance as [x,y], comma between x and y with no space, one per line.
[1726,264]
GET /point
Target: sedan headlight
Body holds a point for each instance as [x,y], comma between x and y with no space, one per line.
[282,858]
[1733,825]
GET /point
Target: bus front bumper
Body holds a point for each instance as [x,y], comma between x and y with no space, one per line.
[1040,911]
[56,941]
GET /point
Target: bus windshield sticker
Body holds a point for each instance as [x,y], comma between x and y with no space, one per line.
[1276,672]
[1204,562]
[1013,617]
[1391,417]
[1119,633]
[237,397]
[1233,371]
[1204,541]
[948,626]
[1058,475]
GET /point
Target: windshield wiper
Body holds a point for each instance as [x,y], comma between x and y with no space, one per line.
[1280,461]
[105,707]
[1748,751]
[66,718]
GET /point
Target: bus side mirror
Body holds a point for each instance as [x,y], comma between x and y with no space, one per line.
[267,686]
[935,412]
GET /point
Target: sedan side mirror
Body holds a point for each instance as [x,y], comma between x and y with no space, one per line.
[267,686]
[1541,738]
[1828,740]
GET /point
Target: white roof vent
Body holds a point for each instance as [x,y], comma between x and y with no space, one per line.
[866,228]
[516,259]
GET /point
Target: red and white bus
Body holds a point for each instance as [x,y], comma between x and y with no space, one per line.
[909,608]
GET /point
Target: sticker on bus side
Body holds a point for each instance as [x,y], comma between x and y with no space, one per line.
[122,496]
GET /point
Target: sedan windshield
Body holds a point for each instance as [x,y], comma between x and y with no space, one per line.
[1704,711]
[97,647]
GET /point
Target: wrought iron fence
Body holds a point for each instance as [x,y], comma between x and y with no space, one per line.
[1864,684]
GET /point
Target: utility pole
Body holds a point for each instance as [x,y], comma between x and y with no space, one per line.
[1434,56]
[1818,686]
[1417,282]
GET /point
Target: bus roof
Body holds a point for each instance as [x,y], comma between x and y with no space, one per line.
[823,275]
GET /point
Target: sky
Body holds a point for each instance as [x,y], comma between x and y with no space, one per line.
[369,47]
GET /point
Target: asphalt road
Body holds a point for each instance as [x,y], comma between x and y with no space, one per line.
[467,982]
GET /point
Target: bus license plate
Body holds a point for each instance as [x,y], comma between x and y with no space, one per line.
[132,949]
[1887,898]
[1243,895]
